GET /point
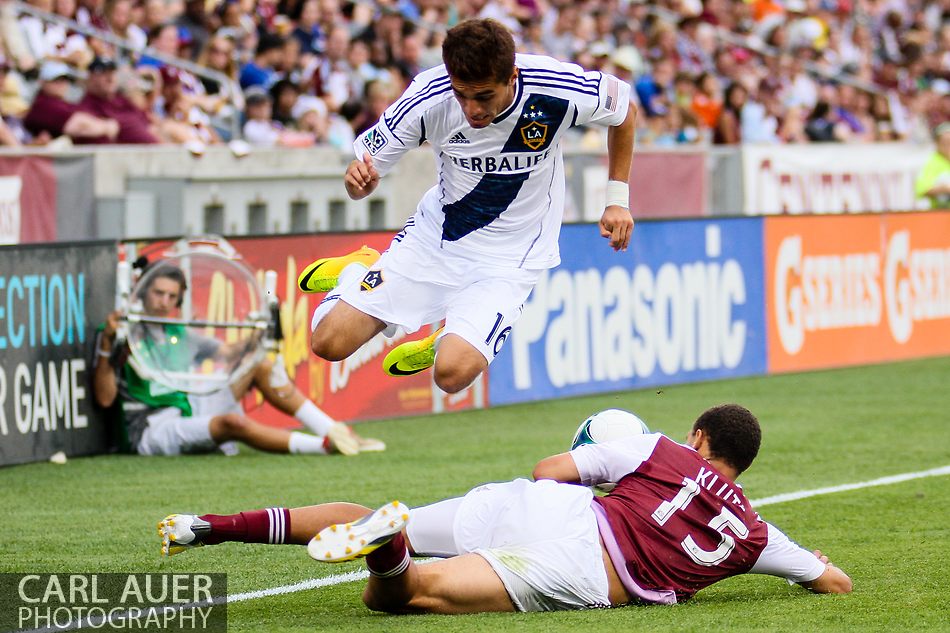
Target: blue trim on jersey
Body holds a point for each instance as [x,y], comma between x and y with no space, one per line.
[493,194]
[574,120]
[422,128]
[391,131]
[518,92]
[547,84]
[400,107]
[541,73]
[414,101]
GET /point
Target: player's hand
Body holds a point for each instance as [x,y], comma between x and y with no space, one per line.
[616,224]
[361,177]
[821,557]
[112,325]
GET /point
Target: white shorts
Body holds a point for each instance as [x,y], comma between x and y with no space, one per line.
[170,433]
[414,284]
[541,538]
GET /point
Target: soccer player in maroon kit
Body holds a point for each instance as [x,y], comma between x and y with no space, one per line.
[675,522]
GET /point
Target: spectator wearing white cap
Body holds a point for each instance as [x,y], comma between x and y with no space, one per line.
[261,130]
[51,115]
[310,115]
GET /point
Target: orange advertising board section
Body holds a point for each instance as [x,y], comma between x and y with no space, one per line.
[351,390]
[850,290]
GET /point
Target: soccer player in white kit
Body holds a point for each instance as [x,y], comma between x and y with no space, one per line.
[675,523]
[481,237]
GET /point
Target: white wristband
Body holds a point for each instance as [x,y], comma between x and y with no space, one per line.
[618,193]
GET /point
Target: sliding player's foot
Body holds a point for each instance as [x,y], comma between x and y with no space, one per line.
[182,531]
[346,541]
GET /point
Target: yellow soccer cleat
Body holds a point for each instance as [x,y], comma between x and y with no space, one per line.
[412,357]
[323,274]
[346,541]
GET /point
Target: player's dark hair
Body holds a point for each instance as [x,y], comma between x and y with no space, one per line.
[479,50]
[733,432]
[163,270]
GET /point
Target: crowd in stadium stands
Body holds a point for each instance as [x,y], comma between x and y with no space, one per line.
[312,72]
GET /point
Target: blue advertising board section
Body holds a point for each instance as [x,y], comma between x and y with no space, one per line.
[51,299]
[684,303]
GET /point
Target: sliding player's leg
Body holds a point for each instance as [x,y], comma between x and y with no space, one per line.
[276,526]
[466,584]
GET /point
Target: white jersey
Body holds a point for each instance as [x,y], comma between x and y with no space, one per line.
[500,194]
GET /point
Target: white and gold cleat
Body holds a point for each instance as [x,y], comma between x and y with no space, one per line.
[182,531]
[346,541]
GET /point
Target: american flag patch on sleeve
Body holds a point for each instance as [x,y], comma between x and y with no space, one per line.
[613,87]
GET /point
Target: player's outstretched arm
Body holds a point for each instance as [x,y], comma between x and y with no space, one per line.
[361,178]
[559,468]
[832,580]
[616,224]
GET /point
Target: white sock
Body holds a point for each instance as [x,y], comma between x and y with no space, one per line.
[314,418]
[304,443]
[349,275]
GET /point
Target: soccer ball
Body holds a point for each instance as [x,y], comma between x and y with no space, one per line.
[612,424]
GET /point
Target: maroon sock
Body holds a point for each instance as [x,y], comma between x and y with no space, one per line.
[389,560]
[271,525]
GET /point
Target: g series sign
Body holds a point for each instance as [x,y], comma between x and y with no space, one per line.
[857,289]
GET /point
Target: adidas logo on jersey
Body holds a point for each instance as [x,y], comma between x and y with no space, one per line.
[459,138]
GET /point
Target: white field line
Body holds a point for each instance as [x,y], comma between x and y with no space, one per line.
[883,481]
[338,579]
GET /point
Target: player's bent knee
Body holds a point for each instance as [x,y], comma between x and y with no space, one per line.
[452,383]
[454,378]
[229,426]
[329,346]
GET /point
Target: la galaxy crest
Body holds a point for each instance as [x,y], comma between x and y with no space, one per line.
[534,134]
[371,281]
[537,127]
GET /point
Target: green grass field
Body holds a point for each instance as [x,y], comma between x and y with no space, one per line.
[820,429]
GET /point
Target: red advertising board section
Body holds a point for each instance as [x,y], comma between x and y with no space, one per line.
[651,195]
[851,290]
[350,390]
[27,200]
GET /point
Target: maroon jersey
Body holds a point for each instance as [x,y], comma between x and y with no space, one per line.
[48,114]
[133,122]
[677,522]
